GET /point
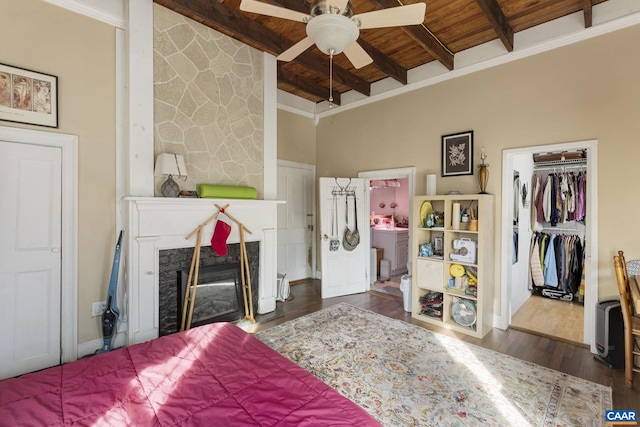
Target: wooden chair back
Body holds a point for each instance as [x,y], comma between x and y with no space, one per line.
[630,321]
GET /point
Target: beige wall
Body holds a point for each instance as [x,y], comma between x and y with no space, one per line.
[81,53]
[589,90]
[296,138]
[209,103]
[584,91]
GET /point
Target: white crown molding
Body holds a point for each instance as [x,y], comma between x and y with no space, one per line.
[111,12]
[295,104]
[610,16]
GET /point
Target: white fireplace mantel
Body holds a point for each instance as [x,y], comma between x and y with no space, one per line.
[156,223]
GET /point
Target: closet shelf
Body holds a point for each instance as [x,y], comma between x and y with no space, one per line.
[574,229]
[561,157]
[561,162]
[562,167]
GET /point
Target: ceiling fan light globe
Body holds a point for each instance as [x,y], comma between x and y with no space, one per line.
[332,32]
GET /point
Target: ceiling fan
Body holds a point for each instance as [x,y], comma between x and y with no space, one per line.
[332,26]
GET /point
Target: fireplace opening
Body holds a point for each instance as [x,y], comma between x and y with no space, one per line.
[218,294]
[174,263]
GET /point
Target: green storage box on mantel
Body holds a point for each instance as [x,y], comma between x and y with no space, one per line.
[212,191]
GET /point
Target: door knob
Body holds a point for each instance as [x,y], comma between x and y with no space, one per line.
[324,236]
[55,250]
[310,227]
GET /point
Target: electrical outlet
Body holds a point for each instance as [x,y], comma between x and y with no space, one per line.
[97,308]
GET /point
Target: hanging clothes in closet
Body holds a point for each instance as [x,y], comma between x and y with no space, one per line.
[556,264]
[558,197]
[558,217]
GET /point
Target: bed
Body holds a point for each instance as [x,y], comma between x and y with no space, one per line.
[215,374]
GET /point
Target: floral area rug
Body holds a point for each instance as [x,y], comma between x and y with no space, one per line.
[405,375]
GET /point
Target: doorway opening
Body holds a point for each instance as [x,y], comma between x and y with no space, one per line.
[519,302]
[389,206]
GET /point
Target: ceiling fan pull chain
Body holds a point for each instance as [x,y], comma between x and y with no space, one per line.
[331,51]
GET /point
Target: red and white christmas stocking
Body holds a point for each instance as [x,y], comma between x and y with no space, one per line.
[220,234]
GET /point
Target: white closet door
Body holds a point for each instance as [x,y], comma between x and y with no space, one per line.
[30,257]
[295,221]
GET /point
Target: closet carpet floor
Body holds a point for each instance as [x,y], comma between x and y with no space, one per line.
[558,319]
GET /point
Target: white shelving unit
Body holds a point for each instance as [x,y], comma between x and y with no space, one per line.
[432,274]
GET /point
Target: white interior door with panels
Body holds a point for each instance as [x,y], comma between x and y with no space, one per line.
[345,266]
[30,250]
[296,220]
[38,249]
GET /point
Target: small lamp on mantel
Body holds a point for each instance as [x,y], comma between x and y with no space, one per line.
[170,164]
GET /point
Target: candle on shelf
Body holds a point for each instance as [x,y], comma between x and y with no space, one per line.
[431,184]
[455,216]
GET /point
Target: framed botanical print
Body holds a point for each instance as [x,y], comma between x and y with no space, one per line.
[457,154]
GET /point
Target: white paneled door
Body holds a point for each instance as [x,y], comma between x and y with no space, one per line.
[295,220]
[344,266]
[30,257]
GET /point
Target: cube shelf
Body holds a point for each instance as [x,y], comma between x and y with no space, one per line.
[460,264]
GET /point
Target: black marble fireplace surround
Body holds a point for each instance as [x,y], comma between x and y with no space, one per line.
[173,262]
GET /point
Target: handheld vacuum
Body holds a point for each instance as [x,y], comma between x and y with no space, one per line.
[111,312]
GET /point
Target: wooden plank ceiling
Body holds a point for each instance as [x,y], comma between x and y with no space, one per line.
[449,27]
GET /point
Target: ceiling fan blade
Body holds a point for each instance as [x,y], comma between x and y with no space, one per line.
[271,10]
[357,55]
[295,50]
[412,14]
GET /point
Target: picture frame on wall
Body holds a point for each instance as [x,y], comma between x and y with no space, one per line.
[28,96]
[457,154]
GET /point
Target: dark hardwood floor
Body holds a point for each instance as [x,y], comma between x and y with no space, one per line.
[561,356]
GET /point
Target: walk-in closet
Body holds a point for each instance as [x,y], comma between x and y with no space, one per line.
[548,244]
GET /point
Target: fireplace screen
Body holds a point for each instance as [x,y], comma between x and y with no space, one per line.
[218,294]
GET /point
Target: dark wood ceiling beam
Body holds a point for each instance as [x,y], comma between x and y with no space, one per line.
[422,36]
[297,5]
[288,77]
[384,63]
[431,44]
[221,18]
[588,13]
[320,65]
[496,17]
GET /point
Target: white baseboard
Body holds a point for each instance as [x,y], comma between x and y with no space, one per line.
[90,347]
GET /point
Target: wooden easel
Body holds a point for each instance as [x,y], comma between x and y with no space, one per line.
[245,274]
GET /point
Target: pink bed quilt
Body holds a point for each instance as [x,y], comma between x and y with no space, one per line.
[214,375]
